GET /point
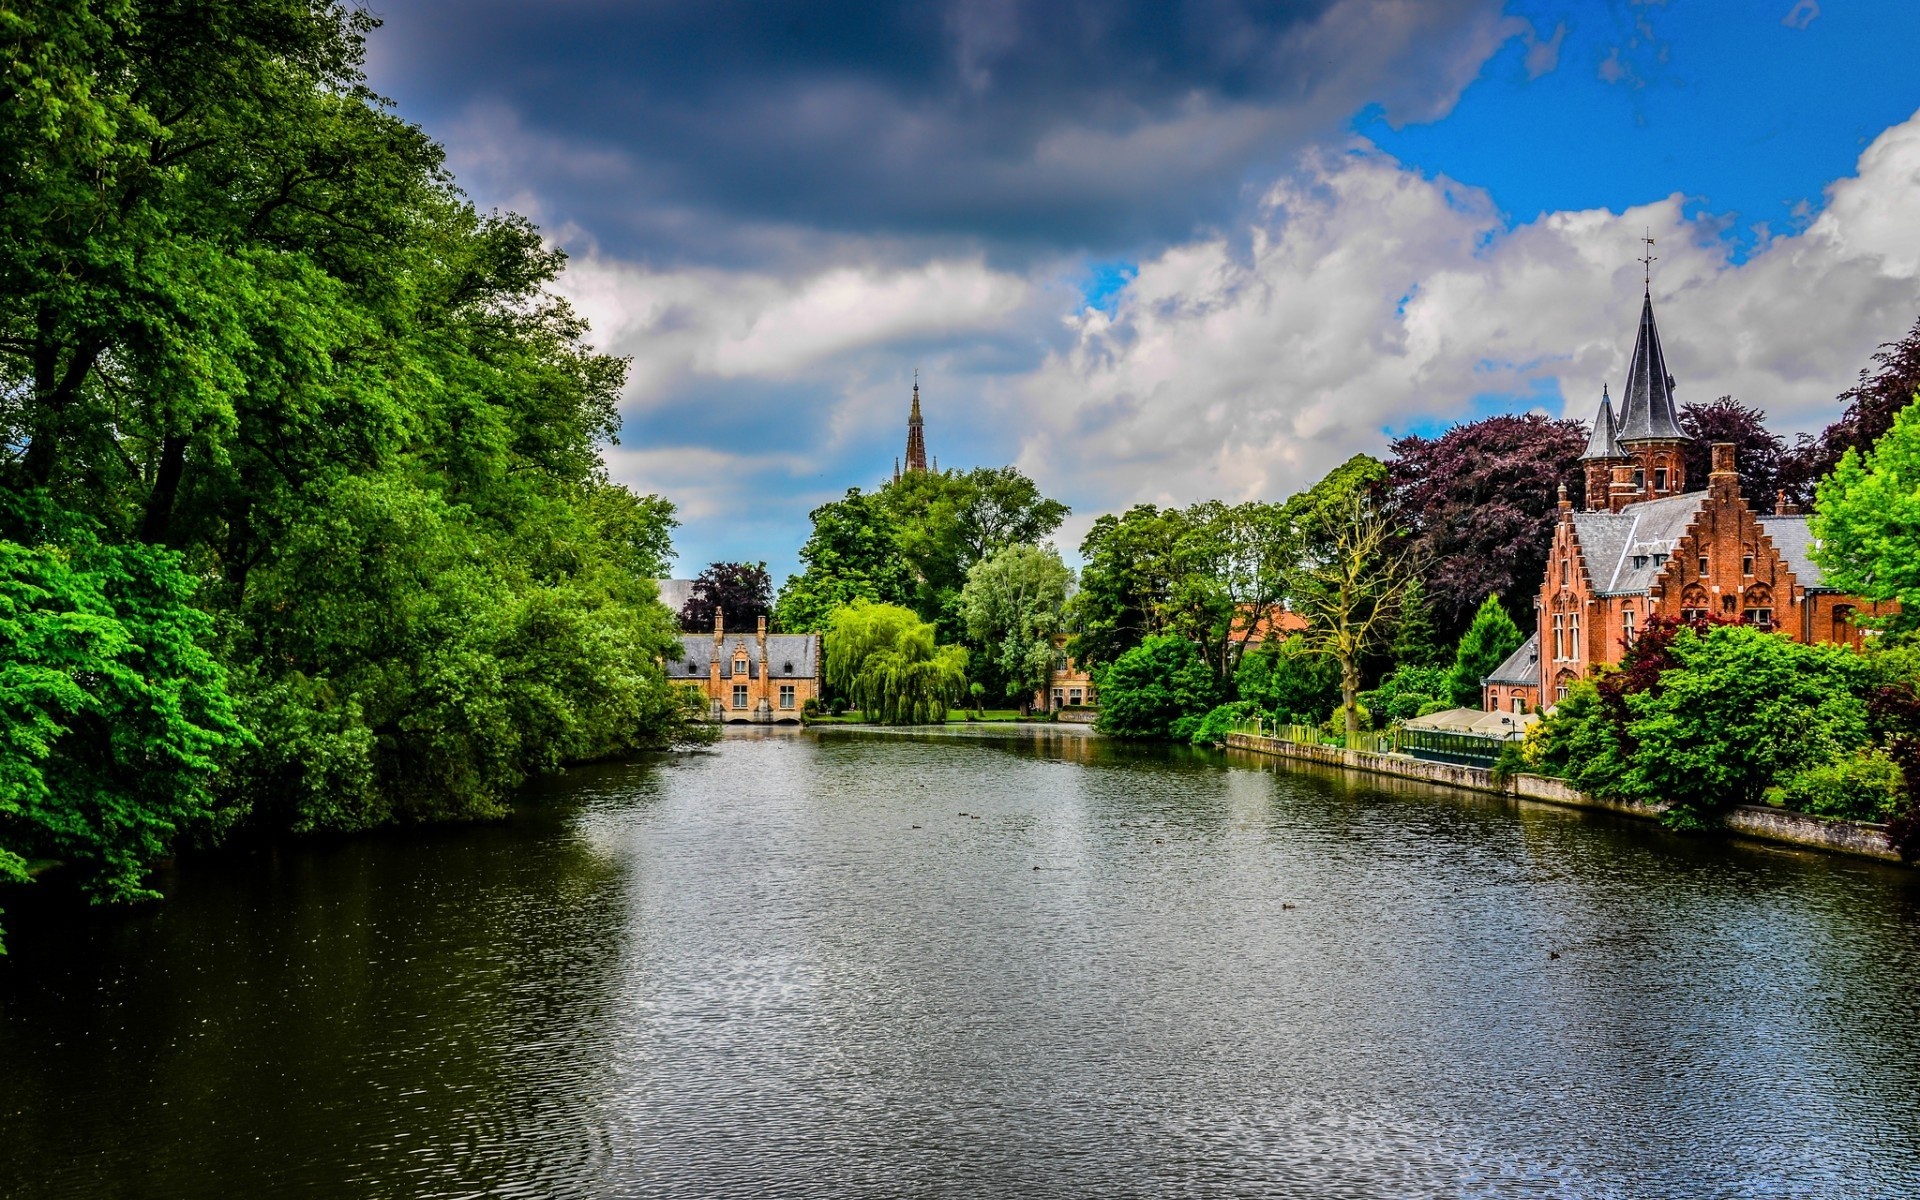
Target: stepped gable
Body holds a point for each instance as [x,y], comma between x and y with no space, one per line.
[1625,551]
[1646,411]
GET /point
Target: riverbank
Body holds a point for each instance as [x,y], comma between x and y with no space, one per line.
[1750,821]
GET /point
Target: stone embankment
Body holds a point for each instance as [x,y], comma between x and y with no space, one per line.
[1768,824]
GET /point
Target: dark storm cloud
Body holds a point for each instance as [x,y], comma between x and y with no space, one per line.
[688,131]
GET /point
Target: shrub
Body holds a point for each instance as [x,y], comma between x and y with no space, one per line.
[1866,786]
[1408,692]
[1158,689]
[1222,720]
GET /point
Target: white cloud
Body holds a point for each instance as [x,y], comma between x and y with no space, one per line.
[1368,296]
[731,325]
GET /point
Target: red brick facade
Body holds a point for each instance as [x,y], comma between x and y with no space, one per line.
[1700,553]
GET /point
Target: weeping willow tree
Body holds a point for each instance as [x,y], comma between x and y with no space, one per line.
[884,659]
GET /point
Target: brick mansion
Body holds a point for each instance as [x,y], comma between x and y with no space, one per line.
[1646,546]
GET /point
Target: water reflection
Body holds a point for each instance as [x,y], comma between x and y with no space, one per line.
[983,963]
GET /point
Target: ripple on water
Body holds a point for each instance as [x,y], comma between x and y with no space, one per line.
[792,966]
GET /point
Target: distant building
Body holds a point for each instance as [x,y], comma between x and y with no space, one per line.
[916,437]
[1069,686]
[1647,547]
[764,679]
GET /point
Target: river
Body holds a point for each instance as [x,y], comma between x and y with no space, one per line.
[857,963]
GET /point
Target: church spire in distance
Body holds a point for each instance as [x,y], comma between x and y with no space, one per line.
[916,431]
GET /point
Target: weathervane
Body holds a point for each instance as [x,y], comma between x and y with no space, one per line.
[1647,262]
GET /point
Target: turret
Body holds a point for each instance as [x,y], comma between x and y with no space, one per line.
[1648,430]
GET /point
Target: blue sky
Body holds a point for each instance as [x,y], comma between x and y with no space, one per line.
[1164,252]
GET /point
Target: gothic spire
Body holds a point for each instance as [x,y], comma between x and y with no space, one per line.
[1647,413]
[916,433]
[1604,444]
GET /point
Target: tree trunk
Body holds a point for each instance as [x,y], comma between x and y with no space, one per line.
[166,486]
[1349,697]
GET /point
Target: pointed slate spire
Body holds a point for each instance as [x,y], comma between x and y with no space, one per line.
[1646,414]
[1604,444]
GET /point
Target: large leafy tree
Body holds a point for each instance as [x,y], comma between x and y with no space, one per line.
[1883,391]
[1158,689]
[1758,452]
[852,554]
[1866,520]
[1480,501]
[1014,603]
[947,521]
[887,662]
[1130,570]
[741,592]
[1349,586]
[246,317]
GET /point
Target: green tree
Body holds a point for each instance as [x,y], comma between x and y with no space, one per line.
[1416,640]
[852,554]
[1866,520]
[1014,602]
[947,521]
[1289,681]
[1731,712]
[246,316]
[1410,692]
[1129,572]
[1349,586]
[1487,643]
[114,717]
[1739,711]
[1159,689]
[885,659]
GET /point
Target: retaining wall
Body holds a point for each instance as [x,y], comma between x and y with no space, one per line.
[1767,824]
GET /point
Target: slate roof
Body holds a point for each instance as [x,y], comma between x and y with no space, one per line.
[1646,412]
[1604,444]
[789,655]
[1625,550]
[1522,666]
[1794,541]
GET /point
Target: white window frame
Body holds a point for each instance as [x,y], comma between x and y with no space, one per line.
[739,696]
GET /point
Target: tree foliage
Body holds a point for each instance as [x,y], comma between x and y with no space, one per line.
[1758,452]
[886,661]
[741,592]
[1014,603]
[1288,681]
[1866,520]
[852,554]
[1708,716]
[1160,689]
[1480,501]
[114,718]
[945,522]
[246,318]
[1483,647]
[1350,588]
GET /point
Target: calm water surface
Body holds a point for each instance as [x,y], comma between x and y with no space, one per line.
[792,967]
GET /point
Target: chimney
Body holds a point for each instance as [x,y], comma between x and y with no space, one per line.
[719,627]
[1783,506]
[1724,482]
[1620,493]
[762,635]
